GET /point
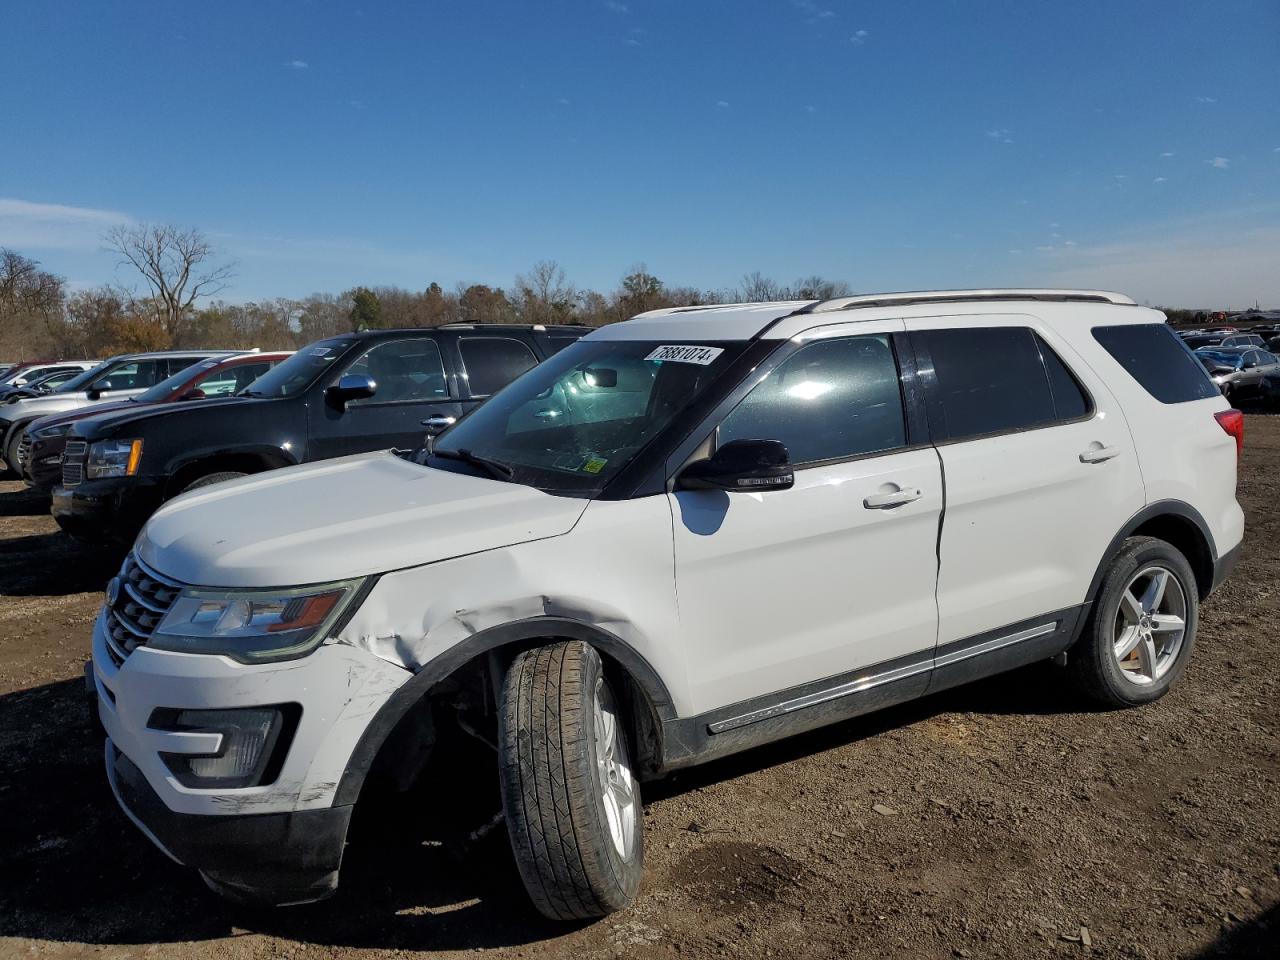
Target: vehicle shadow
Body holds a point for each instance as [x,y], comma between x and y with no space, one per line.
[52,565]
[1255,939]
[75,870]
[23,503]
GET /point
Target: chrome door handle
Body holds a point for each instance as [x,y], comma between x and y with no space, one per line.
[882,501]
[1099,454]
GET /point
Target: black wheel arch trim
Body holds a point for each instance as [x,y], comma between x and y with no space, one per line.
[1152,511]
[439,668]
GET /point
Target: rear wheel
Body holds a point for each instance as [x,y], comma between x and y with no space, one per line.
[210,479]
[1141,631]
[572,804]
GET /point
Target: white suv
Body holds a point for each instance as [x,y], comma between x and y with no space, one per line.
[681,536]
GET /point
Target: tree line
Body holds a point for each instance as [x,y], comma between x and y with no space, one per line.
[175,302]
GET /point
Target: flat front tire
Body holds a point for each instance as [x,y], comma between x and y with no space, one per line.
[1142,628]
[572,804]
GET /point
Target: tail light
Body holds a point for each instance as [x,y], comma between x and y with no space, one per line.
[1232,421]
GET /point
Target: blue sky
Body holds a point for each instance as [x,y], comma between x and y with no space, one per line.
[1130,145]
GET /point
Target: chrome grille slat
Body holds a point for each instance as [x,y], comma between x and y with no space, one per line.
[143,598]
[143,601]
[73,462]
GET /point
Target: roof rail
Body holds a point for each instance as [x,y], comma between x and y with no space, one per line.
[962,296]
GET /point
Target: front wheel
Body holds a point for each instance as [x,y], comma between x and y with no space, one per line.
[11,450]
[210,479]
[572,804]
[1142,628]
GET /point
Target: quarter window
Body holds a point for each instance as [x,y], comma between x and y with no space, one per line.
[993,380]
[830,400]
[1152,354]
[402,370]
[493,362]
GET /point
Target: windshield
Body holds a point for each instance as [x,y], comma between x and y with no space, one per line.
[573,422]
[79,381]
[1211,359]
[299,371]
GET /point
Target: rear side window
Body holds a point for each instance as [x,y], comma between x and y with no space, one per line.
[993,380]
[1153,355]
[830,400]
[493,362]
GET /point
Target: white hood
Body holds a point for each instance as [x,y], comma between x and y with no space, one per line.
[343,518]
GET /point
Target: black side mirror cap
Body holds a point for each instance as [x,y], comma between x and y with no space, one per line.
[743,466]
[351,386]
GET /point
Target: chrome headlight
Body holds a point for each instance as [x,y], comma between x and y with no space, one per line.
[254,626]
[113,458]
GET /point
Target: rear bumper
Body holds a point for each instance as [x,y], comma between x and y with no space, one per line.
[1223,566]
[106,511]
[271,858]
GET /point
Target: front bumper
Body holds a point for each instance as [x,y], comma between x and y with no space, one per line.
[42,470]
[273,858]
[279,842]
[106,511]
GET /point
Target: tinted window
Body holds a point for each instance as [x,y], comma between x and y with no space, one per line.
[559,343]
[131,375]
[1070,402]
[402,370]
[294,375]
[830,400]
[1153,356]
[989,380]
[493,362]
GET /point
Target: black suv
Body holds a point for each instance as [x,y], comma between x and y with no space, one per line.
[353,393]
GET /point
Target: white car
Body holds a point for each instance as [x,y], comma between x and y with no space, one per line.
[684,535]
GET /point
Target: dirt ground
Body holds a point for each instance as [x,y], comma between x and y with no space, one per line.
[999,820]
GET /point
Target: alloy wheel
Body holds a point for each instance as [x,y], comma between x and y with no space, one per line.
[1150,625]
[617,785]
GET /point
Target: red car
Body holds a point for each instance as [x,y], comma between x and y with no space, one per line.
[40,453]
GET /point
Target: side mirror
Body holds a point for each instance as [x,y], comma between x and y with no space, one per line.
[195,393]
[741,465]
[95,392]
[351,386]
[600,377]
[438,425]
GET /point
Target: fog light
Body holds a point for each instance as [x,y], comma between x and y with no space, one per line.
[250,753]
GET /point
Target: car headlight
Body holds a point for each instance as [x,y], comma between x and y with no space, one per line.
[253,626]
[48,433]
[113,458]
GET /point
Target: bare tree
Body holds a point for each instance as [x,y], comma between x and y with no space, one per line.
[543,295]
[175,263]
[818,288]
[757,288]
[31,305]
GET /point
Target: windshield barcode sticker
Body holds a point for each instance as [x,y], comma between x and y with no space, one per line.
[686,354]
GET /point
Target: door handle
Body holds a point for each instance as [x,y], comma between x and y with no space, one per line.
[895,498]
[1099,454]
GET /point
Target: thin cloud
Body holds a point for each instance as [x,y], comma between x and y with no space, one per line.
[563,101]
[54,226]
[1219,163]
[814,11]
[1167,153]
[297,64]
[859,38]
[616,7]
[1160,180]
[1206,99]
[722,104]
[1000,135]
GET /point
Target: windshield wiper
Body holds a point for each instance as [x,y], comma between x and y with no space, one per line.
[495,468]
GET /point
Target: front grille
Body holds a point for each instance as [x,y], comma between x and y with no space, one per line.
[24,450]
[73,462]
[142,599]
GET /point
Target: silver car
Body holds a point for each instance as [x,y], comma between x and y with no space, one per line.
[1241,372]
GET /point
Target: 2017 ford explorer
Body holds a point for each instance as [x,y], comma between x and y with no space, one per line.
[684,535]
